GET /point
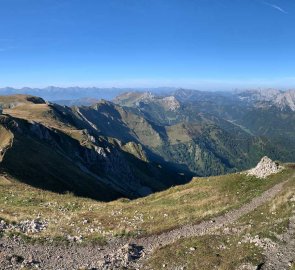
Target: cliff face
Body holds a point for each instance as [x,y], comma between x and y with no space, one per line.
[6,140]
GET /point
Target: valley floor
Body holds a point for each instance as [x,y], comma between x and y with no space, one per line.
[256,234]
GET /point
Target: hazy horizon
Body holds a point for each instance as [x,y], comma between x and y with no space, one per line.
[148,87]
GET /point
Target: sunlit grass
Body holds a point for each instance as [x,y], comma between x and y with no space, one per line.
[66,214]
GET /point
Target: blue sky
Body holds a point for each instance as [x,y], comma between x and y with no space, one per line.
[205,44]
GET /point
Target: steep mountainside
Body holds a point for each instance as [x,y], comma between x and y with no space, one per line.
[55,148]
[191,142]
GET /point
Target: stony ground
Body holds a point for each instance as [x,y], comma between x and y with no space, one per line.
[282,255]
[15,253]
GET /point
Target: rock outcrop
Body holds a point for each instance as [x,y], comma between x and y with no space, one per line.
[265,168]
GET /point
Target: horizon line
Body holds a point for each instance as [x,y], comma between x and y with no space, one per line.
[146,88]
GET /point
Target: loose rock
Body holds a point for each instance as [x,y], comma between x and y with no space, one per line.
[265,168]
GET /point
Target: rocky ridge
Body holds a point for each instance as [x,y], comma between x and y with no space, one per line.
[274,97]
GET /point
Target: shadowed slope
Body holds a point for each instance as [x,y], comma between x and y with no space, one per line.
[55,149]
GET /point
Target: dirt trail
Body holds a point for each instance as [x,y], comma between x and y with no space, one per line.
[113,255]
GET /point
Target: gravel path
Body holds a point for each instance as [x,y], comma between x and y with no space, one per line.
[14,253]
[206,227]
[282,255]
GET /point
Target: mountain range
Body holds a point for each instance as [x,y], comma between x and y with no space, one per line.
[139,142]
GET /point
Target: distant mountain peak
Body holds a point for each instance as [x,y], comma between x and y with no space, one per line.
[270,97]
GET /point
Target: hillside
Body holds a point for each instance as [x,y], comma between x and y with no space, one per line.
[217,215]
[207,132]
[56,150]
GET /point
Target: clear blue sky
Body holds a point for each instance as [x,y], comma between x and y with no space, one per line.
[191,43]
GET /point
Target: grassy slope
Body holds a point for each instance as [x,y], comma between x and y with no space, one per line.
[7,101]
[208,253]
[5,137]
[229,251]
[41,113]
[190,203]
